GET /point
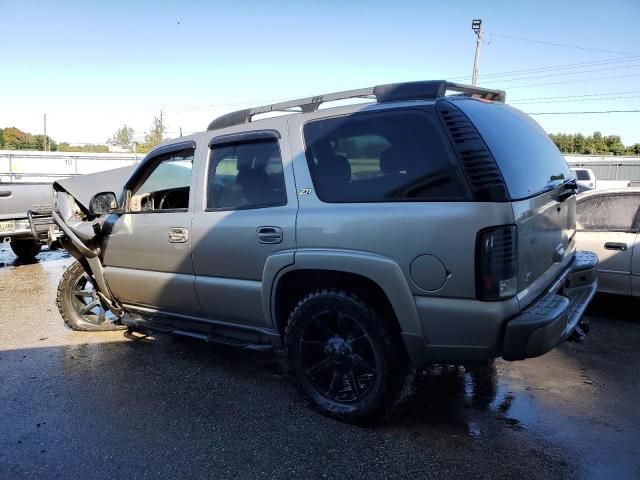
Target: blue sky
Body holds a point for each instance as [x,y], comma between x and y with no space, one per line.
[92,66]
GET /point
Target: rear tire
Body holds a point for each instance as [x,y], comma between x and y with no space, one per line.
[26,250]
[344,355]
[79,304]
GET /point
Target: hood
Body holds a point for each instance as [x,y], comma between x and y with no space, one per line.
[83,187]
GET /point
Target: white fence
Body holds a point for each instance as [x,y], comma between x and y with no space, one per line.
[33,166]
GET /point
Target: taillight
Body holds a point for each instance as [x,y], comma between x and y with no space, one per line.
[497,263]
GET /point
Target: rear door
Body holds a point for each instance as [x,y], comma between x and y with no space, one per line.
[247,216]
[607,225]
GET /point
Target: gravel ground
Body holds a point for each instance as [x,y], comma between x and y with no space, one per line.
[112,405]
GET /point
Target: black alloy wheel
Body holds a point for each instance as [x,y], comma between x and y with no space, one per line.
[80,305]
[337,356]
[345,355]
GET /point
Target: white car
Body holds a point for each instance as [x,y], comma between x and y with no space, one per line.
[586,180]
[607,223]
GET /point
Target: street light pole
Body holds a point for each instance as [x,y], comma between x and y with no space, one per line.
[476,26]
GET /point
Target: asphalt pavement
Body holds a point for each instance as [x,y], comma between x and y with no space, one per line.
[115,405]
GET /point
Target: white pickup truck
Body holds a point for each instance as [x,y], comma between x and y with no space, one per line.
[25,216]
[586,180]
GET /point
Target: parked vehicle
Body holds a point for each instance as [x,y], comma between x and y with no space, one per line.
[607,224]
[586,180]
[25,216]
[416,229]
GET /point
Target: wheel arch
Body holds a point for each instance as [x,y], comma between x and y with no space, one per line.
[375,277]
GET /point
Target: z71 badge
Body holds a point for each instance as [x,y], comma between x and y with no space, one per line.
[304,191]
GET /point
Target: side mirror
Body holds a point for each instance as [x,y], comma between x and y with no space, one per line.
[104,203]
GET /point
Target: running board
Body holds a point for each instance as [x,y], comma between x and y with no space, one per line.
[147,325]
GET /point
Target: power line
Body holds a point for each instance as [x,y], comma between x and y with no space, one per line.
[564,45]
[578,96]
[563,74]
[538,102]
[575,81]
[583,113]
[567,66]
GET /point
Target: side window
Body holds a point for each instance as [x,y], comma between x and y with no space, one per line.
[166,186]
[389,156]
[607,212]
[246,175]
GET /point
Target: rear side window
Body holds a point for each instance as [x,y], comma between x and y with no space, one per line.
[246,175]
[382,157]
[607,212]
[529,161]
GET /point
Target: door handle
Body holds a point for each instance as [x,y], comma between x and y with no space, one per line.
[178,235]
[269,235]
[615,246]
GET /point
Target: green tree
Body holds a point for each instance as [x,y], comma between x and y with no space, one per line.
[633,149]
[155,134]
[15,139]
[123,137]
[614,144]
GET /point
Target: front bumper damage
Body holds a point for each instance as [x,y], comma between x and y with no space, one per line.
[556,315]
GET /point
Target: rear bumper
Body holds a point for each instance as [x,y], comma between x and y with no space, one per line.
[22,229]
[552,318]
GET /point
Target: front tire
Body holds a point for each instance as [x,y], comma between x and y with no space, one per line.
[26,250]
[79,303]
[344,355]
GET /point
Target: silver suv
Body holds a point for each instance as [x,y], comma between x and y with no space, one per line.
[413,229]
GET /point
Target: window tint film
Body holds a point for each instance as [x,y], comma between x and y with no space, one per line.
[390,156]
[246,175]
[607,212]
[529,161]
[167,185]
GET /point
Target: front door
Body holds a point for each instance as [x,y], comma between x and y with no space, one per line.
[247,217]
[147,254]
[606,225]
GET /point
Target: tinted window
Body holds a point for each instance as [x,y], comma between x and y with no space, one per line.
[390,156]
[581,174]
[528,159]
[607,212]
[246,175]
[166,186]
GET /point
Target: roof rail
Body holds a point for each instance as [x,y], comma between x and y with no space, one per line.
[392,92]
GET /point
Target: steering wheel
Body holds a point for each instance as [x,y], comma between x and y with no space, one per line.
[175,198]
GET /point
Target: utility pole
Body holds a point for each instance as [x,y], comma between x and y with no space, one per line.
[476,26]
[45,132]
[161,125]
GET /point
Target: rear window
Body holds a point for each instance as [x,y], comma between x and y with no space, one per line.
[529,161]
[581,174]
[381,157]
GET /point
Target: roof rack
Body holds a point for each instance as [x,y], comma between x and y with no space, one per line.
[392,92]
